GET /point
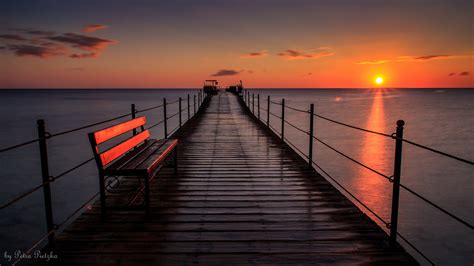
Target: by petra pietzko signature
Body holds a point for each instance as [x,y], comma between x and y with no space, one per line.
[37,254]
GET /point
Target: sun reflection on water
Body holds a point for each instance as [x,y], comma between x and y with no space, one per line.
[374,152]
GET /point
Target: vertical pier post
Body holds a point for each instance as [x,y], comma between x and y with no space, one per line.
[268,111]
[253,103]
[165,119]
[311,134]
[42,135]
[180,117]
[258,105]
[189,111]
[396,182]
[283,119]
[194,103]
[132,107]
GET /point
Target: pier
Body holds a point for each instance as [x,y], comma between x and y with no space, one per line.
[240,197]
[243,194]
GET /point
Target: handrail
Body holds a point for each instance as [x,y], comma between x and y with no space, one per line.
[389,178]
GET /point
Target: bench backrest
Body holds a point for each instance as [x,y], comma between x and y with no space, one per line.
[98,137]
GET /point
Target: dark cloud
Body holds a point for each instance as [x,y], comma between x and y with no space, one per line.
[255,54]
[85,55]
[3,47]
[294,54]
[451,74]
[40,32]
[45,44]
[13,37]
[83,42]
[94,28]
[464,73]
[38,51]
[225,72]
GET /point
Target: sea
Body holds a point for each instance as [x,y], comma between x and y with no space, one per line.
[442,119]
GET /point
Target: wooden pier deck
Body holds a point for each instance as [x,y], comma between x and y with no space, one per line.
[241,197]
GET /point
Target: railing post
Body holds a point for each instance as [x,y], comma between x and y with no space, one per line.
[268,111]
[311,134]
[258,105]
[179,106]
[253,103]
[396,182]
[42,135]
[189,110]
[194,103]
[133,117]
[165,122]
[283,119]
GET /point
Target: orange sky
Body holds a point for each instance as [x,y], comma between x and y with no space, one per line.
[301,44]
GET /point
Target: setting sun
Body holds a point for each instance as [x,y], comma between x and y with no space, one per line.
[379,80]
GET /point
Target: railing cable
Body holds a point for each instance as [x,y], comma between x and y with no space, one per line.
[437,207]
[296,109]
[352,195]
[297,128]
[19,145]
[351,126]
[437,151]
[351,159]
[87,126]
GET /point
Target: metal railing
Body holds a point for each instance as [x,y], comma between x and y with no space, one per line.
[248,98]
[47,178]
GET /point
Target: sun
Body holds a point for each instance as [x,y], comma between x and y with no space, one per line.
[379,80]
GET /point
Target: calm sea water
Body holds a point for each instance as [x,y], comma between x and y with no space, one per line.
[442,119]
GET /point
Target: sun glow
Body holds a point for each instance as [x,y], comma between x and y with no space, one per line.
[379,80]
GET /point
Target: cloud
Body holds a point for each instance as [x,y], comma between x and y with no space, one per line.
[424,57]
[225,72]
[94,28]
[257,54]
[82,42]
[38,51]
[13,37]
[374,62]
[297,55]
[451,74]
[84,55]
[464,73]
[45,44]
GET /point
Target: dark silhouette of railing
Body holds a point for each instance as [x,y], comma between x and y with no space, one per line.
[47,179]
[248,98]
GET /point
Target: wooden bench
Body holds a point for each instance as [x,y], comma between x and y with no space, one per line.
[137,156]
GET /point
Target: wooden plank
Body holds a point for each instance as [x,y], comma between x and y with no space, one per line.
[103,135]
[117,151]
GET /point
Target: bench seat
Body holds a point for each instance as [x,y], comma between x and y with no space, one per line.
[144,159]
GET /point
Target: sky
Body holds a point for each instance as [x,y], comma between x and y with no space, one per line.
[264,43]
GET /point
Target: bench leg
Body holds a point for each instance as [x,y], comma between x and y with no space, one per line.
[102,195]
[175,160]
[147,194]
